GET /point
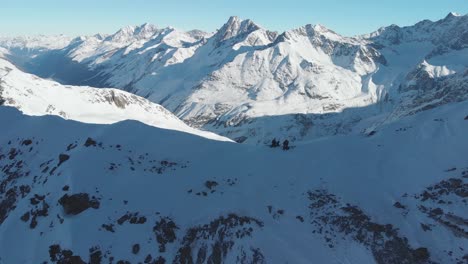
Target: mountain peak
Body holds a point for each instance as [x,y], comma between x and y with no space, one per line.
[320,28]
[236,26]
[452,14]
[313,31]
[324,31]
[127,33]
[233,20]
[145,31]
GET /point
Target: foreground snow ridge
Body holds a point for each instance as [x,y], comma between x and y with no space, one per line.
[89,193]
[35,96]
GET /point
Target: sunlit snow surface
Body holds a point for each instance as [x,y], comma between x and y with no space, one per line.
[35,96]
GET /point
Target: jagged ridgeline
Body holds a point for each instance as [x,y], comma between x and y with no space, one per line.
[251,84]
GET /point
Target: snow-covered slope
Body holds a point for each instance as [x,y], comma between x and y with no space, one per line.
[251,84]
[86,193]
[35,96]
[113,60]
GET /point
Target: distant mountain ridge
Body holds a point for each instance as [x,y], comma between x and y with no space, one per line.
[312,81]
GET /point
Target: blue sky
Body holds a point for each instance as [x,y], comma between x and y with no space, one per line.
[348,17]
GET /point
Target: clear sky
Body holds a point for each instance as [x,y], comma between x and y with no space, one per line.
[84,17]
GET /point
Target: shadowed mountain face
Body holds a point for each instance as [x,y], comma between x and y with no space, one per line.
[234,80]
[85,193]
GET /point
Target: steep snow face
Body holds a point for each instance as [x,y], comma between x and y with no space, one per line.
[245,72]
[133,52]
[248,83]
[84,193]
[236,27]
[450,31]
[35,96]
[96,49]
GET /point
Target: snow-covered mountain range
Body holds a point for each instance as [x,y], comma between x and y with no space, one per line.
[377,170]
[251,84]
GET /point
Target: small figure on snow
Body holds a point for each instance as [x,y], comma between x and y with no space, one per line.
[274,143]
[286,144]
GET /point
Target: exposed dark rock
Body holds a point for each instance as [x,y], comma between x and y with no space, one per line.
[24,190]
[421,255]
[78,203]
[26,142]
[61,220]
[210,243]
[165,232]
[160,260]
[90,142]
[7,204]
[118,100]
[108,227]
[211,184]
[454,186]
[387,246]
[13,153]
[25,217]
[399,205]
[241,139]
[436,212]
[54,252]
[95,256]
[255,256]
[136,249]
[66,188]
[38,212]
[132,218]
[425,227]
[59,256]
[148,259]
[71,146]
[63,158]
[36,199]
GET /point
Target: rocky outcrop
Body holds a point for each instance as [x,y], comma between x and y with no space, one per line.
[77,203]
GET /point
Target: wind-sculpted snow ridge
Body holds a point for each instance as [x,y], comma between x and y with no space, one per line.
[35,96]
[251,84]
[73,192]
